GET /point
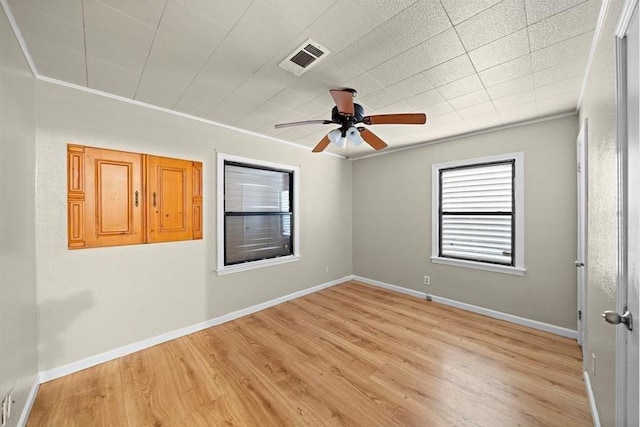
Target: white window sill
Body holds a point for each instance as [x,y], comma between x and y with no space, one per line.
[516,271]
[237,268]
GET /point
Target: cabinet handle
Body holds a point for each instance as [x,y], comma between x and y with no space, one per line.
[136,199]
[154,199]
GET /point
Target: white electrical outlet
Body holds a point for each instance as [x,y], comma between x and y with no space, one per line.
[326,268]
[427,280]
[593,364]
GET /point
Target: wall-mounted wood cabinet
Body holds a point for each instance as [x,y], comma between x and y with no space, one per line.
[120,198]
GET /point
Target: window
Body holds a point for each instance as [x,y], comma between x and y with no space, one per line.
[478,213]
[256,214]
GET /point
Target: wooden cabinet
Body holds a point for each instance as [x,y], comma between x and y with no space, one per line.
[120,198]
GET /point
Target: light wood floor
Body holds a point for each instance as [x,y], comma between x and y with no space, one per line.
[348,355]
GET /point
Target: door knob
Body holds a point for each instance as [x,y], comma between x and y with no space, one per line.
[614,318]
[579,264]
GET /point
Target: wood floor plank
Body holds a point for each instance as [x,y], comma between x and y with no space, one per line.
[308,386]
[352,355]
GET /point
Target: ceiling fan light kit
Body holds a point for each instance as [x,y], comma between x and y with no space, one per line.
[351,135]
[347,114]
[335,136]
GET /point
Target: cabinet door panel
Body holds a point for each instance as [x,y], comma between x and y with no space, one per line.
[75,163]
[76,234]
[173,199]
[113,182]
[115,210]
[169,184]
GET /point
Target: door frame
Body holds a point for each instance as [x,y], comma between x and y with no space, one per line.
[621,399]
[581,249]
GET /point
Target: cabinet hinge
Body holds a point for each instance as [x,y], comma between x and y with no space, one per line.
[579,314]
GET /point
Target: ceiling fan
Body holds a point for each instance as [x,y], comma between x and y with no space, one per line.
[347,114]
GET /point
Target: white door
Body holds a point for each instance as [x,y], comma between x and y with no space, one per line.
[627,315]
[581,256]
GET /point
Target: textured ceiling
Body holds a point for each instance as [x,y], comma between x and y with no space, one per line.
[469,65]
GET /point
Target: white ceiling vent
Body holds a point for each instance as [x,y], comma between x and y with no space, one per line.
[307,56]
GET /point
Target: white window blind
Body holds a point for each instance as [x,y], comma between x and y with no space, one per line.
[257,213]
[477,213]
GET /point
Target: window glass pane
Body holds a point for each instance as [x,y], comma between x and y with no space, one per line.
[255,190]
[255,237]
[477,237]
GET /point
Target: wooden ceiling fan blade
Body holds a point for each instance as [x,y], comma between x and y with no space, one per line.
[324,142]
[396,119]
[302,123]
[344,100]
[372,139]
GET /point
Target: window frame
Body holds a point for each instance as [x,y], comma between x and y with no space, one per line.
[223,269]
[518,235]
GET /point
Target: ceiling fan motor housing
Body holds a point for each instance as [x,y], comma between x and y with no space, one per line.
[358,114]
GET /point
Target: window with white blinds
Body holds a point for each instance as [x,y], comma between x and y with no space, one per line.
[257,218]
[478,213]
[257,212]
[477,209]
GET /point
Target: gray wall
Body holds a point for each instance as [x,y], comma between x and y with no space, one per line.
[95,300]
[392,222]
[18,329]
[598,108]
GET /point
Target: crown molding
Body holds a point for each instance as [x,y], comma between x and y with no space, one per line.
[21,42]
[465,135]
[604,8]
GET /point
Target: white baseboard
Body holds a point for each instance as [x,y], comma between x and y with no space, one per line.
[31,398]
[558,330]
[391,287]
[70,368]
[592,400]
